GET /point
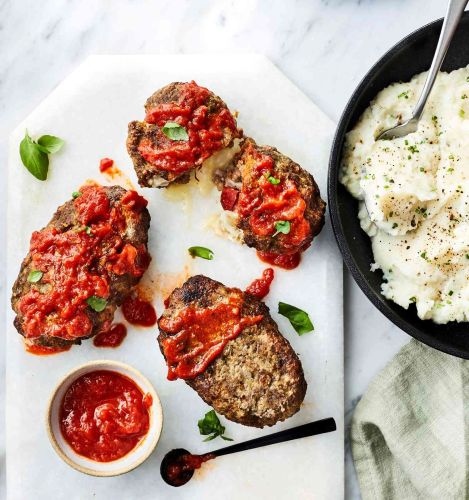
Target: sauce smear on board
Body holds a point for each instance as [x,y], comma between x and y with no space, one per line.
[138,312]
[104,415]
[260,287]
[112,337]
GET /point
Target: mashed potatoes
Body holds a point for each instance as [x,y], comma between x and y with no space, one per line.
[414,195]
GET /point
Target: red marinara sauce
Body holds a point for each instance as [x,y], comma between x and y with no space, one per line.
[264,203]
[42,350]
[104,415]
[206,130]
[105,164]
[196,336]
[112,337]
[286,261]
[178,470]
[138,312]
[260,287]
[79,263]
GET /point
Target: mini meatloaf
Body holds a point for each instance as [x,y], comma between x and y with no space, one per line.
[278,203]
[81,266]
[226,346]
[184,125]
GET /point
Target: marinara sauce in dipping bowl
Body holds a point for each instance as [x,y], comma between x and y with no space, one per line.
[104,418]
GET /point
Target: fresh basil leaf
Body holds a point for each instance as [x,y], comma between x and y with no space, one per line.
[35,160]
[210,426]
[299,319]
[213,436]
[273,180]
[175,131]
[202,252]
[76,194]
[35,276]
[282,226]
[98,304]
[50,144]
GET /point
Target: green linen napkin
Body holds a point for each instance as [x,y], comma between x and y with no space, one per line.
[410,430]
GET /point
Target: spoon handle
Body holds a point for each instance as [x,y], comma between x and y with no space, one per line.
[450,23]
[311,429]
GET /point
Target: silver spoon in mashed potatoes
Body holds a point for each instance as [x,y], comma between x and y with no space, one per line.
[450,23]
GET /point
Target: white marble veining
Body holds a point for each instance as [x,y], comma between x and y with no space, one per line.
[325,47]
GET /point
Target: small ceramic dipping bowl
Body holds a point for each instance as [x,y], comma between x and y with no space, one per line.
[116,467]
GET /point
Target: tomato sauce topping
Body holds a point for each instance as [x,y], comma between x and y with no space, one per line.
[112,337]
[265,203]
[138,312]
[77,264]
[104,415]
[261,287]
[205,128]
[196,336]
[105,164]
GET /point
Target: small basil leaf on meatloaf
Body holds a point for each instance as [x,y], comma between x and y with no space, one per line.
[98,304]
[175,131]
[202,252]
[35,276]
[282,226]
[298,318]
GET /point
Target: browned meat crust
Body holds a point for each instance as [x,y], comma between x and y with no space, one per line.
[120,285]
[149,175]
[240,172]
[258,380]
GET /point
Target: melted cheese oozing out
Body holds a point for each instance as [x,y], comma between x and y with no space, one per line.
[414,194]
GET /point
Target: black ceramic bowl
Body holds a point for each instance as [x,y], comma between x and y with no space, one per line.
[410,56]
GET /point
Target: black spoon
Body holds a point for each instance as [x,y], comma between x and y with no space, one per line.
[177,466]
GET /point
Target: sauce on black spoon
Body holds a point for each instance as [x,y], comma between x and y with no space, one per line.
[178,465]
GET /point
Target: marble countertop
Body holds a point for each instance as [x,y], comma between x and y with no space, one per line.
[325,47]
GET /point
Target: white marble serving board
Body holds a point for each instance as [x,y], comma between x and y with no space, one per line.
[90,110]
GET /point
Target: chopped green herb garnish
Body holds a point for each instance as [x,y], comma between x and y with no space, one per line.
[175,131]
[404,94]
[462,113]
[413,299]
[273,180]
[88,231]
[96,303]
[210,426]
[282,226]
[202,252]
[395,225]
[76,194]
[423,255]
[35,276]
[450,293]
[298,318]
